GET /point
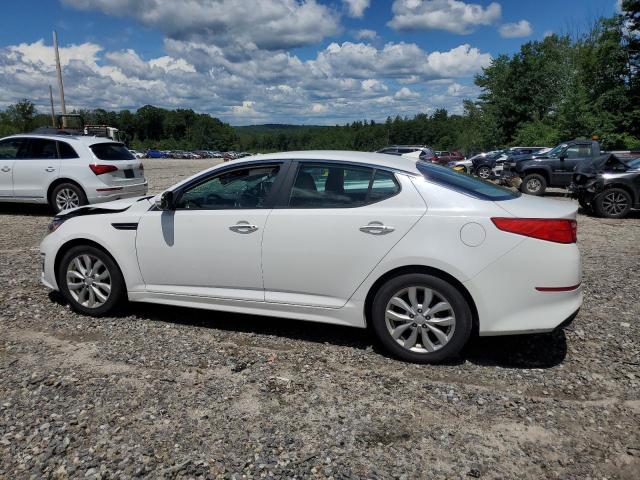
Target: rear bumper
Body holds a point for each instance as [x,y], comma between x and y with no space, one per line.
[107,194]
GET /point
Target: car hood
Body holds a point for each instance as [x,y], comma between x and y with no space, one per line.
[529,206]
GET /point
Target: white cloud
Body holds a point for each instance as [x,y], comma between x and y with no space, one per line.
[264,24]
[405,93]
[452,15]
[516,29]
[366,34]
[356,8]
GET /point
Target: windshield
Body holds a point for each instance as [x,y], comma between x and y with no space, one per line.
[555,151]
[463,183]
[111,151]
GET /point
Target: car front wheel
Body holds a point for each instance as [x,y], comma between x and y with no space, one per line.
[421,318]
[90,281]
[484,172]
[613,203]
[534,184]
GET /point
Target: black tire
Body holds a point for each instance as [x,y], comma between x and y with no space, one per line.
[484,172]
[443,291]
[613,203]
[533,184]
[117,286]
[71,191]
[582,201]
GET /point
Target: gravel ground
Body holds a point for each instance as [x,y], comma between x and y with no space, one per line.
[162,392]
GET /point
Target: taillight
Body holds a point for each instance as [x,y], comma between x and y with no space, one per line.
[141,166]
[100,169]
[558,230]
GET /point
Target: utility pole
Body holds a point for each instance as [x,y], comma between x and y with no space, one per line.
[53,113]
[63,107]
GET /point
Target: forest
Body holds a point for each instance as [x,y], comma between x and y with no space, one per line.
[559,88]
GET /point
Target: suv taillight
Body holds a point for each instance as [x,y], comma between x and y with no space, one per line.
[100,169]
[557,230]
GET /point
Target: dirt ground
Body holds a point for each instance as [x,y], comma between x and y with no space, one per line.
[163,392]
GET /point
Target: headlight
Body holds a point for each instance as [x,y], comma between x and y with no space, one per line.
[55,224]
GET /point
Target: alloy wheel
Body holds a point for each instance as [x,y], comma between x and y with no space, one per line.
[66,199]
[533,185]
[88,281]
[484,172]
[420,319]
[614,203]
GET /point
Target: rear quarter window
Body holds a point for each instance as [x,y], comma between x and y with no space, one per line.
[466,184]
[111,151]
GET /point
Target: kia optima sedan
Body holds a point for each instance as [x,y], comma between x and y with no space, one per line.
[421,254]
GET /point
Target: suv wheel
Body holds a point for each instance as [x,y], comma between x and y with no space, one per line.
[66,196]
[533,184]
[90,281]
[484,172]
[421,318]
[613,203]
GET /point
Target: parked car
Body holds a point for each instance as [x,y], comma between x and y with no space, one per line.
[491,165]
[153,153]
[445,157]
[67,171]
[552,169]
[609,185]
[349,240]
[415,151]
[136,153]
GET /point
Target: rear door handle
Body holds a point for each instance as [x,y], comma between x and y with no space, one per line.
[376,228]
[243,227]
[6,169]
[49,169]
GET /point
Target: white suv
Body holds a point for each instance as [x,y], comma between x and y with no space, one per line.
[67,171]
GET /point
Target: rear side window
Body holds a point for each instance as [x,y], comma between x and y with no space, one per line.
[111,151]
[333,186]
[463,183]
[9,148]
[66,150]
[39,148]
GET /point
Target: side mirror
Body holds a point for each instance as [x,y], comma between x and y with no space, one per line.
[562,156]
[165,201]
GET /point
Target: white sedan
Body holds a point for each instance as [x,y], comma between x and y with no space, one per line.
[422,254]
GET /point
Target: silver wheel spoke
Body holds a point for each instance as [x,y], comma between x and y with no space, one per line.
[440,335]
[72,274]
[439,307]
[391,315]
[398,302]
[410,342]
[413,298]
[400,330]
[426,342]
[96,292]
[75,286]
[443,322]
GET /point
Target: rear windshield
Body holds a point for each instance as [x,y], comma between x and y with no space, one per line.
[464,183]
[111,151]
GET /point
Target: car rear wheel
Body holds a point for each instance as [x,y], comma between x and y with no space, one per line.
[66,196]
[90,281]
[421,318]
[534,184]
[484,172]
[613,203]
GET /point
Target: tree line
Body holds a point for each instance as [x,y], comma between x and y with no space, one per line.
[559,88]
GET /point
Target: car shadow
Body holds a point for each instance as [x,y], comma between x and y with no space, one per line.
[515,351]
[21,209]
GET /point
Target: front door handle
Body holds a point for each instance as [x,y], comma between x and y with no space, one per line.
[49,169]
[6,169]
[376,228]
[243,227]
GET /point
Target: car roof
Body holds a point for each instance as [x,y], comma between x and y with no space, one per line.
[86,139]
[405,164]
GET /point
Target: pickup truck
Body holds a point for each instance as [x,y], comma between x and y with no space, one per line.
[551,169]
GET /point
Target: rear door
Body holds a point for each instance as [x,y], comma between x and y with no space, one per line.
[37,165]
[9,150]
[333,225]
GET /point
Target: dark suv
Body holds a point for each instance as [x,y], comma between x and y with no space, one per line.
[609,185]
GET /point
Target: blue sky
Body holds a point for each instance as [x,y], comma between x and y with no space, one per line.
[284,61]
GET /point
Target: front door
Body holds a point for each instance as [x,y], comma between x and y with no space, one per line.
[563,168]
[9,150]
[210,244]
[336,225]
[36,167]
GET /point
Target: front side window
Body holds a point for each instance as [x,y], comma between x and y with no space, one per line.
[335,186]
[465,183]
[9,148]
[111,151]
[40,149]
[238,189]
